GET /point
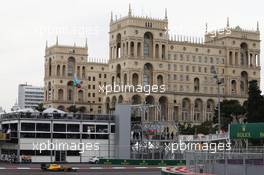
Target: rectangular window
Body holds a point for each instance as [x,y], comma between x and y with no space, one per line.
[43,127]
[73,128]
[89,128]
[28,126]
[102,128]
[59,127]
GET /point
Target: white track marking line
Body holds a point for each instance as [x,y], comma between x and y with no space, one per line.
[118,167]
[96,168]
[23,168]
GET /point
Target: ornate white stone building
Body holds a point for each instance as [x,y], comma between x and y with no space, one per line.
[142,52]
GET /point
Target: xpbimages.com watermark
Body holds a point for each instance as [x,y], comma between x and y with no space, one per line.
[208,147]
[187,146]
[63,146]
[120,88]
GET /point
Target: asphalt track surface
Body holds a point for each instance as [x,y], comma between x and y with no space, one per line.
[34,169]
[88,172]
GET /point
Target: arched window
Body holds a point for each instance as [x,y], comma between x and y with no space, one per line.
[83,72]
[70,94]
[107,105]
[186,108]
[125,79]
[71,66]
[251,59]
[120,99]
[118,74]
[157,51]
[243,54]
[148,44]
[139,49]
[233,87]
[148,74]
[70,91]
[210,109]
[198,110]
[135,79]
[136,99]
[63,70]
[80,95]
[113,82]
[118,45]
[164,108]
[159,80]
[113,103]
[230,58]
[60,95]
[58,70]
[163,52]
[78,71]
[196,84]
[132,49]
[151,112]
[124,50]
[236,58]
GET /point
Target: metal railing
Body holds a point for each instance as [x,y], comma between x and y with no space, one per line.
[57,116]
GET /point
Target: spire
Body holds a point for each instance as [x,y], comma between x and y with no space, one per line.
[227,22]
[206,27]
[57,40]
[257,26]
[129,10]
[74,44]
[111,20]
[166,15]
[46,44]
[86,44]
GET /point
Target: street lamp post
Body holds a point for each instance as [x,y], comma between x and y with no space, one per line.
[218,81]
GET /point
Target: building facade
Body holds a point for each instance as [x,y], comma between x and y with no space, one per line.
[62,63]
[141,52]
[29,96]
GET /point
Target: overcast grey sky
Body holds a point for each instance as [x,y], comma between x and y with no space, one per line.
[25,25]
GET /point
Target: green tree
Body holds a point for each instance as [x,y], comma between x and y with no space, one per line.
[73,109]
[229,109]
[82,109]
[40,107]
[255,103]
[205,128]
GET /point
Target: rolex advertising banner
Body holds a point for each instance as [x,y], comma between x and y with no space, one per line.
[247,131]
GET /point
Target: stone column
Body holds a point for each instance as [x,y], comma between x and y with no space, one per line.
[160,51]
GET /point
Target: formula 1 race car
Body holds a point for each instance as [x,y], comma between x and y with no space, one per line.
[56,168]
